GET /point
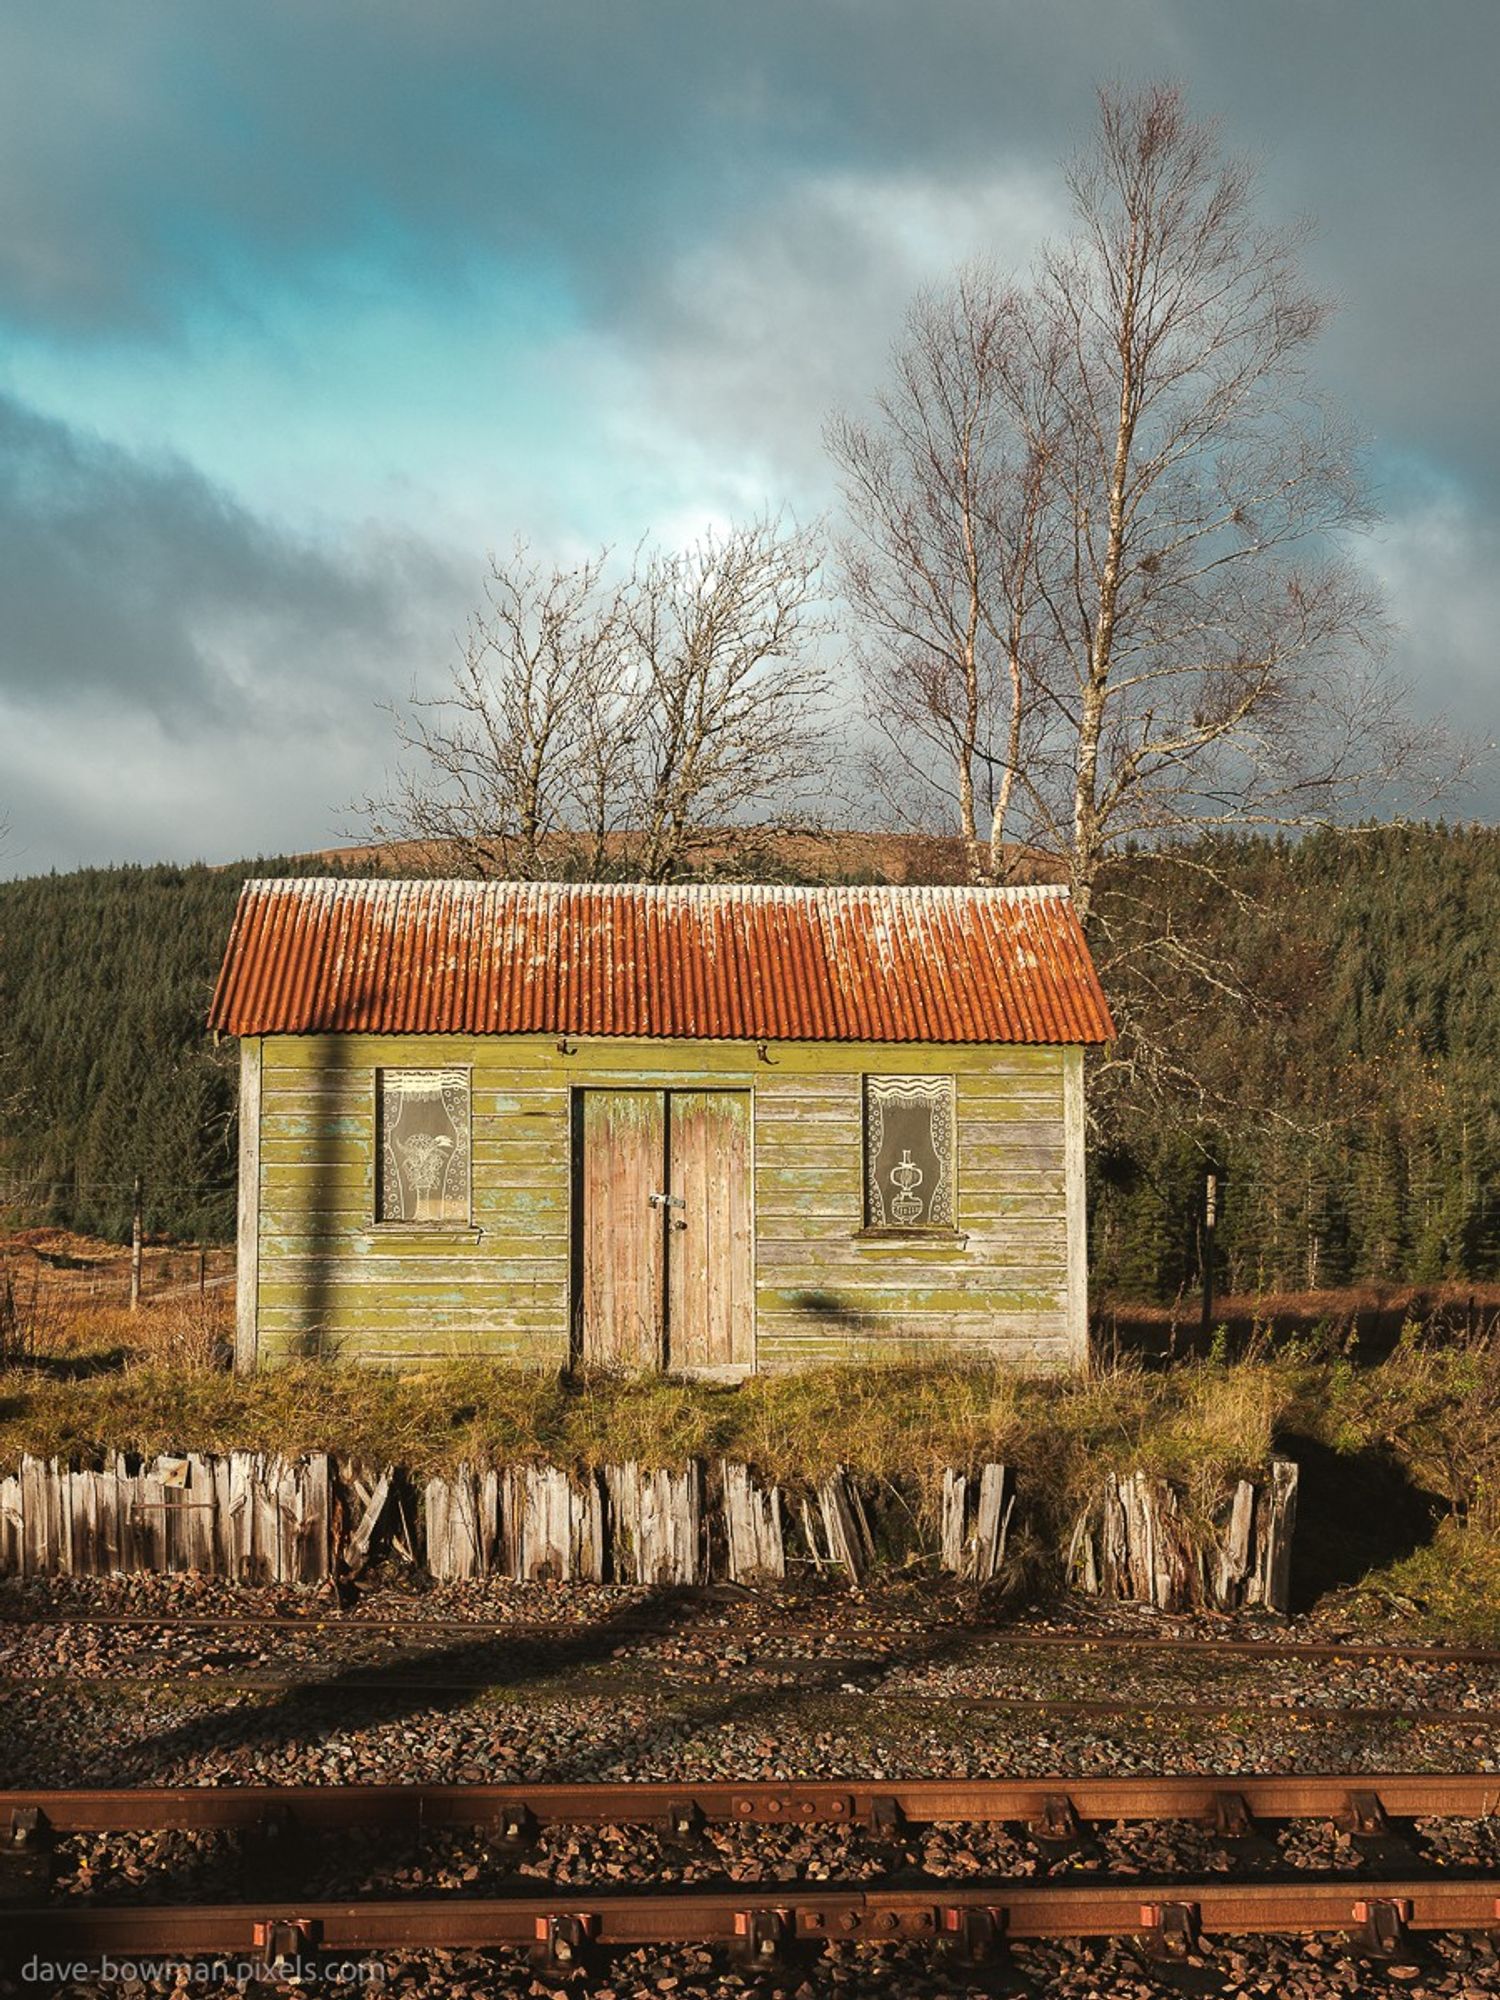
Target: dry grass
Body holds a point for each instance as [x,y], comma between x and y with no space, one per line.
[1434,1405]
[1425,1418]
[898,1425]
[1449,1589]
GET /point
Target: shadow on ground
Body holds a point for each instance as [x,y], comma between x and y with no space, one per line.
[1356,1511]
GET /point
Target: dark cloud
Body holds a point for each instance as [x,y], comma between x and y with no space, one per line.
[177,676]
[142,585]
[153,156]
[731,204]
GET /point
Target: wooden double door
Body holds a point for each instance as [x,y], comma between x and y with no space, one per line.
[663,1262]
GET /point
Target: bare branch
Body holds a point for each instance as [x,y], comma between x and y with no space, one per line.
[593,728]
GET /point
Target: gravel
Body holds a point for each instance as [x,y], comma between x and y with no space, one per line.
[895,1682]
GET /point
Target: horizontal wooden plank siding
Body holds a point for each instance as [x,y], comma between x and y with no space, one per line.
[332,1279]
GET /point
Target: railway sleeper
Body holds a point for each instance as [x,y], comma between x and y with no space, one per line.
[273,1849]
[764,1937]
[1382,1932]
[1170,1944]
[1234,1827]
[1387,1844]
[285,1940]
[1058,1834]
[564,1941]
[516,1831]
[687,1825]
[27,1858]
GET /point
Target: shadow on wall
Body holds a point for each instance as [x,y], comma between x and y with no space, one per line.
[328,1077]
[856,1332]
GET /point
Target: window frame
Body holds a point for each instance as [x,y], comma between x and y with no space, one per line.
[396,1226]
[897,1233]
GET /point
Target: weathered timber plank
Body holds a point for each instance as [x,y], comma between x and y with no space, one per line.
[407,1306]
[1274,1555]
[1014,1340]
[509,1289]
[1235,1556]
[539,1151]
[503,1061]
[846,1528]
[283,1128]
[323,1150]
[848,1262]
[361,1537]
[710,1310]
[831,1301]
[817,1195]
[515,1103]
[755,1544]
[1073,1160]
[468,1270]
[953,1521]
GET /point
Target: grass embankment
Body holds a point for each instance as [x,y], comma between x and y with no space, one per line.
[149,1383]
[1400,1456]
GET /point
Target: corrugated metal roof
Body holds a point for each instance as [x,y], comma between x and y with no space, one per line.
[692,960]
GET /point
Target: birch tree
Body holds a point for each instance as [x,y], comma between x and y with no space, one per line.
[502,771]
[945,491]
[1156,605]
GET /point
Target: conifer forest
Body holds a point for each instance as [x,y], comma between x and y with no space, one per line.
[1332,1054]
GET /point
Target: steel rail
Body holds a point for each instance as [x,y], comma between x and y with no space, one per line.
[753,1913]
[1356,1797]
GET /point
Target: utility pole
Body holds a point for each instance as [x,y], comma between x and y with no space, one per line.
[1210,1219]
[135,1245]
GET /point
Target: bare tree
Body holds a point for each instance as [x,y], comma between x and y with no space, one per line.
[597,727]
[502,771]
[1163,613]
[946,493]
[732,714]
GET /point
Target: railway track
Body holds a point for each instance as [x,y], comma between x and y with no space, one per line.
[1225,1873]
[326,1622]
[782,1679]
[1221,1802]
[765,1922]
[1402,1894]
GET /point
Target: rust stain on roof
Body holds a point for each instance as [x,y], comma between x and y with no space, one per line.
[700,961]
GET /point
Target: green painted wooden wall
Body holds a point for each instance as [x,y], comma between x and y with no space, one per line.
[318,1275]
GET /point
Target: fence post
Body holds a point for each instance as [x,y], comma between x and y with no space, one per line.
[135,1245]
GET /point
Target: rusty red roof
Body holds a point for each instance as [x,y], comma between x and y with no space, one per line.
[692,960]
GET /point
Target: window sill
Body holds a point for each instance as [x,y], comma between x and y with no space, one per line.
[911,1239]
[452,1232]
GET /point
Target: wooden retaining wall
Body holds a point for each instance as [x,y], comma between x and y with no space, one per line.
[253,1517]
[1138,1545]
[260,1518]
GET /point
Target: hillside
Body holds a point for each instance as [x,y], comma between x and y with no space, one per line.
[105,1069]
[1351,1102]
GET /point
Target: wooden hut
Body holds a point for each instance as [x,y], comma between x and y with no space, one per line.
[708,1128]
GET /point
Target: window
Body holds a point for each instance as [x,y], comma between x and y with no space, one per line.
[422,1124]
[909,1152]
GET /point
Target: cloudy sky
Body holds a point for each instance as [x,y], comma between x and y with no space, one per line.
[304,308]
